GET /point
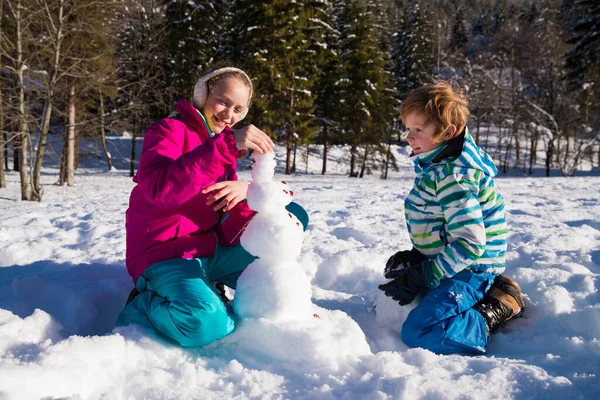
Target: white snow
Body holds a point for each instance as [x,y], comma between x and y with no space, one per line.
[63,282]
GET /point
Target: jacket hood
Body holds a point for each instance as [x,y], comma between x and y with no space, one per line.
[462,151]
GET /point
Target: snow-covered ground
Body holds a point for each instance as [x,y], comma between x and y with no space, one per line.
[63,282]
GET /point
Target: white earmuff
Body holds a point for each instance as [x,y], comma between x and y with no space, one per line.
[201,88]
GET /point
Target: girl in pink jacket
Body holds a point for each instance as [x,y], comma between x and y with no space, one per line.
[186,213]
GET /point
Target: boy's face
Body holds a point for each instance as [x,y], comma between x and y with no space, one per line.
[420,134]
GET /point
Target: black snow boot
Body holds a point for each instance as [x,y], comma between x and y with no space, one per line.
[502,302]
[221,291]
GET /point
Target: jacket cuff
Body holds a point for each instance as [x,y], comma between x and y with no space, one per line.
[229,140]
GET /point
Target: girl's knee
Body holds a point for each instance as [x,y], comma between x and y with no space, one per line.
[202,324]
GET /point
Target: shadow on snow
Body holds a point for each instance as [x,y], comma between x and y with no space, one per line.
[84,298]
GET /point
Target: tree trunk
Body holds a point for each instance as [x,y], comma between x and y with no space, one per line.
[557,152]
[69,143]
[39,157]
[294,147]
[288,154]
[364,162]
[517,142]
[21,106]
[566,154]
[388,156]
[5,135]
[477,131]
[45,125]
[307,154]
[353,161]
[549,154]
[507,155]
[325,144]
[133,144]
[498,151]
[72,134]
[76,152]
[16,141]
[103,134]
[25,195]
[288,168]
[62,175]
[2,136]
[532,151]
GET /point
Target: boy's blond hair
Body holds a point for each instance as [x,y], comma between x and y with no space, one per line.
[440,104]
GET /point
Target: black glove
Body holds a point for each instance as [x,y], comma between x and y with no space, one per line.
[407,284]
[402,260]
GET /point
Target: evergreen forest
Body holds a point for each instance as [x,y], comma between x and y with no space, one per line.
[326,72]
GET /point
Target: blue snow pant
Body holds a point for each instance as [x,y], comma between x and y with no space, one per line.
[177,300]
[445,322]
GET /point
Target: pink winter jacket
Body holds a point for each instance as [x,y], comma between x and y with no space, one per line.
[167,215]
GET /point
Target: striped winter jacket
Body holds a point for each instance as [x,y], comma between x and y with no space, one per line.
[454,213]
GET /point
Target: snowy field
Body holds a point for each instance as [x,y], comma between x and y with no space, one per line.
[63,282]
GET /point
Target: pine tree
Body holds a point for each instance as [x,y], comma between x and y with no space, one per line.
[412,52]
[277,43]
[460,37]
[191,31]
[584,23]
[362,77]
[143,96]
[386,116]
[326,103]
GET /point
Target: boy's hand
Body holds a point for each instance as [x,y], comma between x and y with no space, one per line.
[402,260]
[407,284]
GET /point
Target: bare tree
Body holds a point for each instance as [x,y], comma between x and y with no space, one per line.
[2,134]
[68,160]
[53,22]
[21,18]
[107,154]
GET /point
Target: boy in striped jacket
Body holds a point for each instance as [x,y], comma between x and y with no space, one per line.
[455,218]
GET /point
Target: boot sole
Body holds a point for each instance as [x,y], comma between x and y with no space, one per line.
[512,288]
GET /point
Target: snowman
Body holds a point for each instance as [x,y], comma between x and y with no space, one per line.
[278,321]
[274,286]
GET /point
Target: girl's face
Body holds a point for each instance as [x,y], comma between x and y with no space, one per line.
[420,134]
[225,104]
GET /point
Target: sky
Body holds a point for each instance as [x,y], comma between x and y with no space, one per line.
[63,282]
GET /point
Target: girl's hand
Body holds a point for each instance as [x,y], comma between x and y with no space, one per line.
[226,194]
[250,137]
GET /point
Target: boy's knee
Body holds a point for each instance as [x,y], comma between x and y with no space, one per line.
[411,334]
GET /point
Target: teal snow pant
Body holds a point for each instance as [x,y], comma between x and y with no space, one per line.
[177,300]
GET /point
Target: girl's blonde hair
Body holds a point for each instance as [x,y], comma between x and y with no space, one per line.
[440,104]
[239,74]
